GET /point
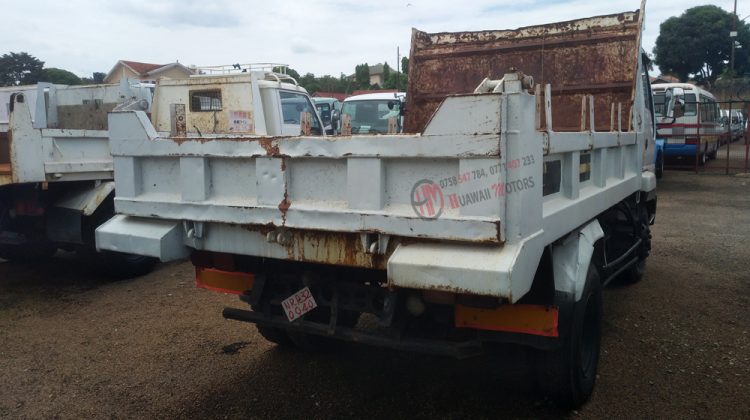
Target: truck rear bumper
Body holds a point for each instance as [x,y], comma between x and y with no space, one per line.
[497,271]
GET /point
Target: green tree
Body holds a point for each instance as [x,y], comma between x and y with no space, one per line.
[59,76]
[99,77]
[396,80]
[697,44]
[19,69]
[362,76]
[386,72]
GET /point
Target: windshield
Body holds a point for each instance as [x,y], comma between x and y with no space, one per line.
[371,116]
[325,112]
[660,104]
[292,105]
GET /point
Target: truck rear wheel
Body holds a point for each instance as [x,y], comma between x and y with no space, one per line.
[568,373]
[275,335]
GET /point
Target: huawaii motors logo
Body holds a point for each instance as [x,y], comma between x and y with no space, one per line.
[430,199]
[427,199]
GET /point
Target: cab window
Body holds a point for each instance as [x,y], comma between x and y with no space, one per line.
[292,104]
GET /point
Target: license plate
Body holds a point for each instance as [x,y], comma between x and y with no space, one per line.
[298,304]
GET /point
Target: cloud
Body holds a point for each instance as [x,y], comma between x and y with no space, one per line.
[317,36]
[166,13]
[302,46]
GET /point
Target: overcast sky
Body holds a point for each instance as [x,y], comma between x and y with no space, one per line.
[318,36]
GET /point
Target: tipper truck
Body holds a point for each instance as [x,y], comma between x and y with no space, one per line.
[56,173]
[526,185]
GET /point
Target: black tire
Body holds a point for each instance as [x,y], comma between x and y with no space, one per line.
[124,266]
[568,373]
[27,253]
[275,335]
[659,166]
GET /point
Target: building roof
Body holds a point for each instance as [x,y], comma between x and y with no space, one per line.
[376,69]
[141,68]
[146,69]
[338,95]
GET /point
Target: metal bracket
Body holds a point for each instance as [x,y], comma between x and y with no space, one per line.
[193,232]
[374,243]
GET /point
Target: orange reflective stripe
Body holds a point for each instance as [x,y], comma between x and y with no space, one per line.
[519,318]
[223,281]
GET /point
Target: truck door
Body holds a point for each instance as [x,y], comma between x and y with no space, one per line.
[292,106]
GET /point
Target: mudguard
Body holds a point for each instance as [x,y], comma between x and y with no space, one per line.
[571,257]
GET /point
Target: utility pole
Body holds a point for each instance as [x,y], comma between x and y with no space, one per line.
[398,69]
[733,35]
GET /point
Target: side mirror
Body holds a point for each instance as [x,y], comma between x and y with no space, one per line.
[679,108]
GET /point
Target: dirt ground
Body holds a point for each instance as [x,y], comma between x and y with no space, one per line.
[676,345]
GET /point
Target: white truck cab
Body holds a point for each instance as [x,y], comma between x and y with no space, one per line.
[247,102]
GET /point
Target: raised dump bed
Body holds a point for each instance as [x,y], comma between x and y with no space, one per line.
[591,56]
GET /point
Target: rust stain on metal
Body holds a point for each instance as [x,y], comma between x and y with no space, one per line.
[594,55]
[284,206]
[335,248]
[270,146]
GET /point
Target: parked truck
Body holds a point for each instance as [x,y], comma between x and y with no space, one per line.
[526,186]
[56,172]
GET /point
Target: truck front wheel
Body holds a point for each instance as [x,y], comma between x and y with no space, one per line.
[568,373]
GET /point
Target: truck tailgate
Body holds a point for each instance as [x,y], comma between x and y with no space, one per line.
[358,184]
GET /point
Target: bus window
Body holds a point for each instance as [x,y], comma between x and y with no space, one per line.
[691,105]
[659,104]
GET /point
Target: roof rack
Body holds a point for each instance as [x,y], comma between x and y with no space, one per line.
[276,72]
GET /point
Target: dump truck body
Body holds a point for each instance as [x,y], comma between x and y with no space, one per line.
[56,172]
[497,221]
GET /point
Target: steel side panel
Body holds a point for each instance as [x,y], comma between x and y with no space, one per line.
[313,183]
[26,150]
[40,155]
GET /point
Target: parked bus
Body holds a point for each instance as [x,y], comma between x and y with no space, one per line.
[692,128]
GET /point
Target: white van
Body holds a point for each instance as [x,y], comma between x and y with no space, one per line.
[736,126]
[369,113]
